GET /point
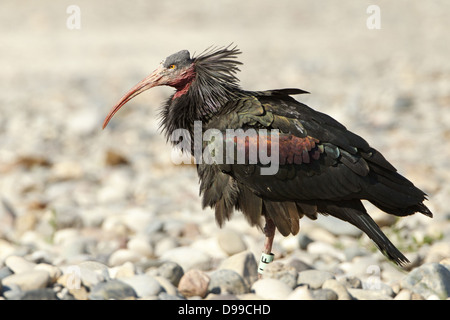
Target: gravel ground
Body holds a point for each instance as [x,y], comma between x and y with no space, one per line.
[92,214]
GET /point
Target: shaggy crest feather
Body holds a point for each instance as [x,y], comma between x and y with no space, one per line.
[216,82]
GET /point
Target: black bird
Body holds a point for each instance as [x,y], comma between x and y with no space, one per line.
[322,167]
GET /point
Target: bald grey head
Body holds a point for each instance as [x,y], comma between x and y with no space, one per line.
[180,59]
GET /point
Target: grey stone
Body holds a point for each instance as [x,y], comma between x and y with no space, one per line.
[227,281]
[213,296]
[244,264]
[271,289]
[144,285]
[166,296]
[338,288]
[28,280]
[304,241]
[351,282]
[112,290]
[314,278]
[91,272]
[167,286]
[19,264]
[5,272]
[231,242]
[12,292]
[299,265]
[324,294]
[280,271]
[361,294]
[337,226]
[428,280]
[301,293]
[188,258]
[119,257]
[171,271]
[354,251]
[36,294]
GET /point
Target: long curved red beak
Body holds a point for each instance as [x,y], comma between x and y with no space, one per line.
[153,80]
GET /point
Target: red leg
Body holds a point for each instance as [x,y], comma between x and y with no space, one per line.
[267,255]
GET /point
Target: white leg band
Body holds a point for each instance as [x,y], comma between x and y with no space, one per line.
[264,261]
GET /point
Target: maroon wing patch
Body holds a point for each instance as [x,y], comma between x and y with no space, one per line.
[291,149]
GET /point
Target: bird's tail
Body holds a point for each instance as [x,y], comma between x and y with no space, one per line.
[394,194]
[354,212]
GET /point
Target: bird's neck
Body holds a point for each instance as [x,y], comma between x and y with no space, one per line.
[182,111]
[183,83]
[193,101]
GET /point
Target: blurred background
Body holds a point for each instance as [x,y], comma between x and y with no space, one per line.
[60,171]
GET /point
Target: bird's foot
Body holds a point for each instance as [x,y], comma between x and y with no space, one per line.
[267,256]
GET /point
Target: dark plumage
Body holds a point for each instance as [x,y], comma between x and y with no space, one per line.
[323,167]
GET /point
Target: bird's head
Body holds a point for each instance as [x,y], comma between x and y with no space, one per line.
[179,70]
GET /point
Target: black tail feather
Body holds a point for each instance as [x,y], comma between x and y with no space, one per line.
[394,194]
[354,212]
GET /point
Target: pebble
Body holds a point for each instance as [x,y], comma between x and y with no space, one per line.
[244,264]
[140,245]
[112,290]
[337,227]
[171,271]
[5,272]
[28,280]
[325,249]
[121,256]
[224,281]
[313,278]
[431,279]
[194,283]
[167,286]
[124,271]
[90,273]
[221,297]
[231,241]
[271,289]
[404,294]
[351,282]
[337,287]
[144,285]
[299,265]
[324,294]
[438,251]
[283,272]
[188,258]
[35,294]
[300,293]
[361,294]
[53,272]
[164,245]
[19,264]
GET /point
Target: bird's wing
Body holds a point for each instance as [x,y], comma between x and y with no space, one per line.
[319,159]
[320,166]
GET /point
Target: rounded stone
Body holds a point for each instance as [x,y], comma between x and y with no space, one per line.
[271,289]
[227,281]
[144,285]
[112,290]
[28,280]
[19,264]
[194,283]
[314,278]
[231,242]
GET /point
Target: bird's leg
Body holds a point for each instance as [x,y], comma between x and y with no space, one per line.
[267,255]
